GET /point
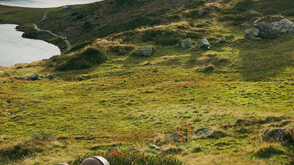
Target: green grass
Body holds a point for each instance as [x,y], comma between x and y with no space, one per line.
[134,102]
[21,16]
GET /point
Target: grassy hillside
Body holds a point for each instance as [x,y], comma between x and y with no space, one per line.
[117,99]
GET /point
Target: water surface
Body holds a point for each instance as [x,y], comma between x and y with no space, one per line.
[15,49]
[44,3]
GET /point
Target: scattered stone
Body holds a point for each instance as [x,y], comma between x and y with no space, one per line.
[145,51]
[21,78]
[175,136]
[186,43]
[203,44]
[203,131]
[221,40]
[252,34]
[33,77]
[2,81]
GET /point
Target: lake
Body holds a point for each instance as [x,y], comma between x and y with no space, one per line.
[44,3]
[15,49]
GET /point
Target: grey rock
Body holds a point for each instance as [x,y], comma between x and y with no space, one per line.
[274,26]
[204,131]
[186,43]
[252,34]
[221,40]
[33,77]
[278,134]
[175,136]
[21,78]
[203,44]
[145,51]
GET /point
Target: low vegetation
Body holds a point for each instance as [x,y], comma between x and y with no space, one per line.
[102,96]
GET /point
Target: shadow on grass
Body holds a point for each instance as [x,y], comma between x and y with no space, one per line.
[264,59]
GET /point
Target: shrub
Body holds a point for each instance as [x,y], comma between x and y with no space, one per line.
[136,158]
[168,37]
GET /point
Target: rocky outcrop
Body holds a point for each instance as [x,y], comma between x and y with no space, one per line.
[278,135]
[269,27]
[145,51]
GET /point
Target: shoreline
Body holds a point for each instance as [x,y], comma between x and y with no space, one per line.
[50,7]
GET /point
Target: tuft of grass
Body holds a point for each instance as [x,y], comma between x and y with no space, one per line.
[43,136]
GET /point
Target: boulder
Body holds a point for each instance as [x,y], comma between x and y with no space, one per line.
[274,26]
[203,44]
[252,34]
[144,51]
[278,134]
[186,43]
[269,27]
[33,77]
